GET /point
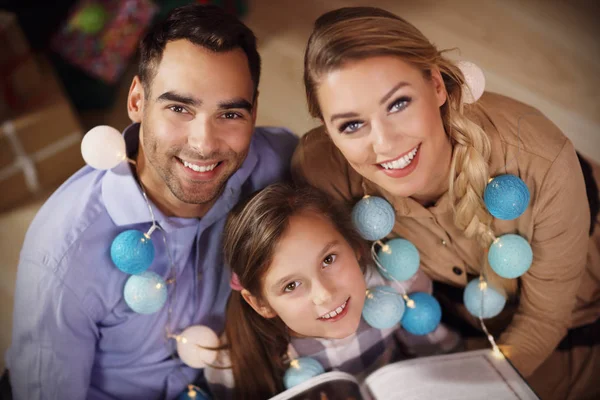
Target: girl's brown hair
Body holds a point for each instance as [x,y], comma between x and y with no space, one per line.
[356,33]
[257,345]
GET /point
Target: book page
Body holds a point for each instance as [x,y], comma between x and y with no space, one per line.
[333,385]
[472,375]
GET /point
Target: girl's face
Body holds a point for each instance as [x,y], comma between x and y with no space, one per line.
[384,116]
[315,284]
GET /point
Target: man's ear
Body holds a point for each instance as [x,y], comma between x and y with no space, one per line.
[135,100]
[264,310]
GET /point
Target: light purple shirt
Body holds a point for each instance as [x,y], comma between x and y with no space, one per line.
[74,337]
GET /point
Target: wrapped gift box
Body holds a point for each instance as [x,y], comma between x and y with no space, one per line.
[19,73]
[101,36]
[39,148]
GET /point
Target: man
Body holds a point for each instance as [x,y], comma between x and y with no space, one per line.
[197,154]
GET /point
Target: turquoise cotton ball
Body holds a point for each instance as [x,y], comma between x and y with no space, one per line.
[132,252]
[484,303]
[373,218]
[424,317]
[145,293]
[400,259]
[383,307]
[506,197]
[301,370]
[510,256]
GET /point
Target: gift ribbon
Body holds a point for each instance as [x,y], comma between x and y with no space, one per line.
[26,163]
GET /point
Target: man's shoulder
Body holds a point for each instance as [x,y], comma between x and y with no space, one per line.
[66,218]
[277,141]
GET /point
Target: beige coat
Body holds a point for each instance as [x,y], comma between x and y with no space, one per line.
[561,290]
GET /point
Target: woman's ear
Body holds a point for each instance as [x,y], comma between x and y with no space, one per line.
[263,310]
[439,86]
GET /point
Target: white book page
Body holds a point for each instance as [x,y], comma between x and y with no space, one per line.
[472,375]
[329,376]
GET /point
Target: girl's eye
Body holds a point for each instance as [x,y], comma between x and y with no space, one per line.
[232,115]
[350,127]
[399,104]
[177,109]
[329,259]
[290,287]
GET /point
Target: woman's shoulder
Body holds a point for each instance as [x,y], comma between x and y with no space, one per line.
[512,123]
[319,163]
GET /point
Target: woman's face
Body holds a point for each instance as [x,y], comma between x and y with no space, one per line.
[384,116]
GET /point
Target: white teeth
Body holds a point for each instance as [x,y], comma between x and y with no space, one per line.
[199,168]
[335,312]
[401,162]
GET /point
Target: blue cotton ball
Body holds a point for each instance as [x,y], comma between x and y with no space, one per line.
[383,307]
[401,260]
[510,256]
[145,293]
[373,218]
[301,370]
[506,197]
[132,252]
[487,302]
[424,317]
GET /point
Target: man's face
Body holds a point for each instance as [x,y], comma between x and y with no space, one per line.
[196,120]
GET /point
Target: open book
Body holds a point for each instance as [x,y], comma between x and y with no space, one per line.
[472,375]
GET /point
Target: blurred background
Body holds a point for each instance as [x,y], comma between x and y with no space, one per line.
[66,66]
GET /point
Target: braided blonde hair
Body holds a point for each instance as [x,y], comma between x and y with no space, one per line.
[356,33]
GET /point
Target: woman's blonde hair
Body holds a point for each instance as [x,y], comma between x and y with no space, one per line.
[355,33]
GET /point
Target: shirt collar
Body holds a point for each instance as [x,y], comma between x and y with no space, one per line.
[125,203]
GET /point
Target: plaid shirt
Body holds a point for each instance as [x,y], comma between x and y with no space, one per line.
[360,353]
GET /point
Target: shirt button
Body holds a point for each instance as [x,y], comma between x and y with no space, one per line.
[457,270]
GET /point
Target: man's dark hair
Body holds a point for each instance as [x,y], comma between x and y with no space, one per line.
[208,26]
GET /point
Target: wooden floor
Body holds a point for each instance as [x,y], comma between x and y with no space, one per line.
[545,53]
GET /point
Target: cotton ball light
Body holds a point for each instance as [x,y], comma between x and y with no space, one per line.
[424,316]
[474,81]
[193,346]
[482,300]
[506,197]
[145,293]
[383,307]
[510,256]
[373,217]
[132,251]
[400,258]
[300,370]
[103,147]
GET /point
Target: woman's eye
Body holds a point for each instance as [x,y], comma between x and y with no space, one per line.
[399,104]
[350,127]
[329,259]
[177,109]
[290,287]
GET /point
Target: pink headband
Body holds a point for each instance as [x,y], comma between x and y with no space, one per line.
[234,282]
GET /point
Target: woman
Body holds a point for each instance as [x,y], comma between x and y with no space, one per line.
[395,125]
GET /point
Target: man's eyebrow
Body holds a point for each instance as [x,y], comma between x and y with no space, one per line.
[179,98]
[236,103]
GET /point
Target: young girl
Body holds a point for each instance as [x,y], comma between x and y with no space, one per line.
[300,274]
